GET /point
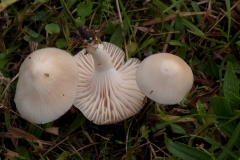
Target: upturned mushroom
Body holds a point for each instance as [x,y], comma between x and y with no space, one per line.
[107,91]
[164,78]
[46,86]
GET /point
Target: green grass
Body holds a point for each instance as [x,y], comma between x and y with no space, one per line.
[205,125]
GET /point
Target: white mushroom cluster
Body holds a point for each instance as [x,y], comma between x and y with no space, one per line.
[98,82]
[107,91]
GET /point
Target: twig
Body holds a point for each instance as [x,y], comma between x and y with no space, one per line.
[84,148]
[75,150]
[55,145]
[159,149]
[136,10]
[90,25]
[88,137]
[102,137]
[145,33]
[151,148]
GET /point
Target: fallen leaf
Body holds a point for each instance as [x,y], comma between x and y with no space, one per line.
[18,133]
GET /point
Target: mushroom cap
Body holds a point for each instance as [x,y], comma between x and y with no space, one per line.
[164,78]
[107,92]
[46,86]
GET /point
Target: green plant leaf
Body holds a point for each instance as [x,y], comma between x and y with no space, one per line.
[80,20]
[231,87]
[176,43]
[177,129]
[35,39]
[212,141]
[22,150]
[182,51]
[228,6]
[231,142]
[236,68]
[214,67]
[178,27]
[168,27]
[37,132]
[184,151]
[63,155]
[4,58]
[196,8]
[228,130]
[132,47]
[173,5]
[61,43]
[84,9]
[146,43]
[78,122]
[39,1]
[31,32]
[110,28]
[144,131]
[237,153]
[217,145]
[117,37]
[222,32]
[221,106]
[66,7]
[201,111]
[70,3]
[40,16]
[52,28]
[238,43]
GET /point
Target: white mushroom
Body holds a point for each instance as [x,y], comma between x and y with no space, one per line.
[46,86]
[164,78]
[107,91]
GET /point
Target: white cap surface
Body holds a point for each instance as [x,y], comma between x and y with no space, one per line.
[46,85]
[164,78]
[107,91]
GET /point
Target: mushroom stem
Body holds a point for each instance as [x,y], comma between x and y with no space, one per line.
[102,60]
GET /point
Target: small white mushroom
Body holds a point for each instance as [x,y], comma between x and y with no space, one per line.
[46,85]
[107,91]
[164,78]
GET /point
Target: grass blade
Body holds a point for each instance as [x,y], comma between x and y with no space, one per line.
[184,151]
[230,143]
[173,5]
[229,17]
